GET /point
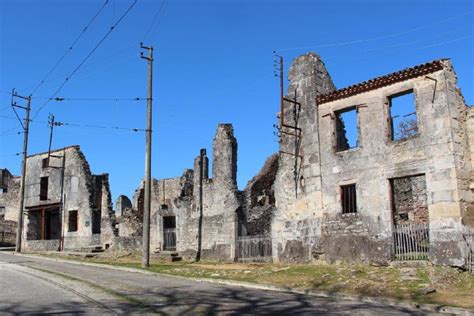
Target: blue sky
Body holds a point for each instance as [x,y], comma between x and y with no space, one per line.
[213,64]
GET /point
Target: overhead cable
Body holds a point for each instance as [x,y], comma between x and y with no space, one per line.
[68,50]
[86,57]
[378,37]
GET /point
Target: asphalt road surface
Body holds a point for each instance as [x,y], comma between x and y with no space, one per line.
[30,286]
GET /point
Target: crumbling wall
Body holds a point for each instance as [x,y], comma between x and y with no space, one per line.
[296,223]
[437,151]
[468,216]
[104,206]
[410,202]
[259,199]
[10,200]
[212,230]
[73,188]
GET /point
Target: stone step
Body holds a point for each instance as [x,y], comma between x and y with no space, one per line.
[91,249]
[170,256]
[7,248]
[80,254]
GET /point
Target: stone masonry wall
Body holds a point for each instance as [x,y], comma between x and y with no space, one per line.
[439,152]
[309,78]
[259,199]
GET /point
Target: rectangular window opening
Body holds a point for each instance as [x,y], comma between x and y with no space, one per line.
[348,199]
[45,163]
[72,221]
[403,121]
[169,222]
[347,129]
[44,188]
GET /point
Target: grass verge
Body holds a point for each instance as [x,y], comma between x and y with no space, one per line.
[419,282]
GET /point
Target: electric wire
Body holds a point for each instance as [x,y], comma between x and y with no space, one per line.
[156,18]
[83,125]
[79,99]
[70,48]
[11,134]
[11,155]
[378,37]
[87,57]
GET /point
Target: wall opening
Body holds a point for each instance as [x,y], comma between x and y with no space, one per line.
[403,121]
[45,163]
[349,199]
[43,188]
[169,233]
[347,129]
[409,199]
[410,218]
[72,221]
[44,224]
[96,217]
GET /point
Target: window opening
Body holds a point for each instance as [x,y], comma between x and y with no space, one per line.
[348,199]
[403,122]
[72,221]
[45,162]
[43,188]
[347,132]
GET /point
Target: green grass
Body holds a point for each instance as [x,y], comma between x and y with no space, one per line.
[453,287]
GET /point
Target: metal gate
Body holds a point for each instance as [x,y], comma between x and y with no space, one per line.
[169,238]
[411,241]
[254,248]
[169,233]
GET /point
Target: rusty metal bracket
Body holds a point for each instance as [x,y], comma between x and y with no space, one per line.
[291,154]
[331,115]
[292,101]
[292,127]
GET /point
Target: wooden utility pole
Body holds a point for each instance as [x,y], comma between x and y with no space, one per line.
[26,127]
[147,198]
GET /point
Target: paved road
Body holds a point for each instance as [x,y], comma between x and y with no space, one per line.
[37,285]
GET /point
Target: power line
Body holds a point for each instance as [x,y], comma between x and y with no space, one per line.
[10,134]
[87,57]
[379,37]
[82,125]
[10,155]
[70,47]
[80,99]
[60,99]
[155,19]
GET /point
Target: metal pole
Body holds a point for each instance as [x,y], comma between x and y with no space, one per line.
[19,231]
[51,122]
[282,113]
[147,199]
[63,200]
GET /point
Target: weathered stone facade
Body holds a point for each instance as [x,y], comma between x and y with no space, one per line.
[314,224]
[177,221]
[258,200]
[66,207]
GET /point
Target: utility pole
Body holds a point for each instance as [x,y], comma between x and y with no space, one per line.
[147,199]
[26,127]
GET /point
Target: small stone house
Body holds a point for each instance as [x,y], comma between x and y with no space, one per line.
[66,206]
[370,158]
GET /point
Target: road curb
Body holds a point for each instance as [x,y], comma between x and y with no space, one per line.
[338,296]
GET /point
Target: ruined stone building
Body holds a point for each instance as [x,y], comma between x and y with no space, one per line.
[9,187]
[370,158]
[196,215]
[66,206]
